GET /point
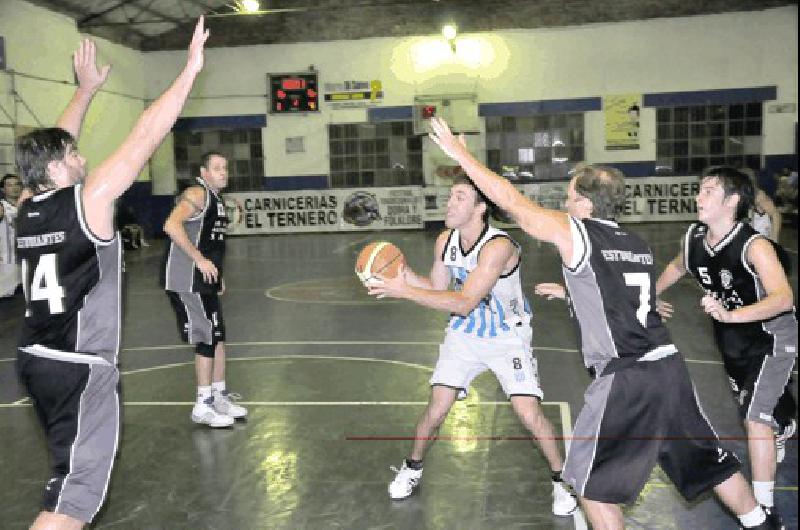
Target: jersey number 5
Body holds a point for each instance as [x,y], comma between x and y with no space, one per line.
[642,281]
[44,285]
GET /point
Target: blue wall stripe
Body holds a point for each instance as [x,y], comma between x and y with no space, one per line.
[726,96]
[249,121]
[299,182]
[530,108]
[376,114]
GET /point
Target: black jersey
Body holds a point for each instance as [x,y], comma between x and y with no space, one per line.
[611,283]
[72,280]
[206,231]
[724,272]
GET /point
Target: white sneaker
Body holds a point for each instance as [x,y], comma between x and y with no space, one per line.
[204,413]
[405,482]
[564,502]
[223,403]
[780,440]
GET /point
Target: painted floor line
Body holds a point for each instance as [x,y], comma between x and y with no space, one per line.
[24,403]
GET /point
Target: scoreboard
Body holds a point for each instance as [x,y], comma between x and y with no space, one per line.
[290,93]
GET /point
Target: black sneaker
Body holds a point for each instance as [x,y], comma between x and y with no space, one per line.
[772,522]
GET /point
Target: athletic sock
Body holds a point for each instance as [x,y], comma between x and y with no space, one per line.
[414,464]
[556,476]
[754,518]
[203,393]
[764,493]
[218,387]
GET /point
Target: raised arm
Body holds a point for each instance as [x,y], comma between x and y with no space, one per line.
[90,79]
[493,259]
[547,225]
[115,175]
[190,203]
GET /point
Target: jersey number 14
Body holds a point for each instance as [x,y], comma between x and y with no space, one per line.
[44,285]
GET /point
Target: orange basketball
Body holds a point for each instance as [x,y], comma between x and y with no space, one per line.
[379,257]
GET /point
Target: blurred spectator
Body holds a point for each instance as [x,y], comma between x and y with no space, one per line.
[786,196]
[765,216]
[9,269]
[129,228]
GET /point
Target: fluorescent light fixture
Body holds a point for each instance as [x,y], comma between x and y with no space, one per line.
[250,6]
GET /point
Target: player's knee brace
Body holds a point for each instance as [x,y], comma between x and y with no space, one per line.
[206,350]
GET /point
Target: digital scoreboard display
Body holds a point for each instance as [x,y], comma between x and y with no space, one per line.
[293,93]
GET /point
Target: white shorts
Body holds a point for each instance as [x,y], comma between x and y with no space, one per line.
[463,357]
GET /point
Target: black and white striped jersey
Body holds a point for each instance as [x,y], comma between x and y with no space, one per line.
[611,285]
[206,231]
[724,272]
[72,280]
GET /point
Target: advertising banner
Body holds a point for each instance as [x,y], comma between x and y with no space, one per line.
[334,210]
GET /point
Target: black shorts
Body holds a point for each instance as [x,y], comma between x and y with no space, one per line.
[199,320]
[760,386]
[636,417]
[78,405]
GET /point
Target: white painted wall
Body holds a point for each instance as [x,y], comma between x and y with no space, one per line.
[697,53]
[40,43]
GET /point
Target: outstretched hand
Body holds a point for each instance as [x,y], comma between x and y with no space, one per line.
[85,62]
[550,290]
[451,145]
[194,62]
[664,308]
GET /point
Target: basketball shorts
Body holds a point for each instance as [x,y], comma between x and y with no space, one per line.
[760,386]
[463,357]
[199,320]
[636,417]
[78,405]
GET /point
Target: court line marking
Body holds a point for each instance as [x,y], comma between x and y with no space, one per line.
[346,343]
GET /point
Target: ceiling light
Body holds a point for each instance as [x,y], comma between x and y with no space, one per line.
[449,31]
[250,5]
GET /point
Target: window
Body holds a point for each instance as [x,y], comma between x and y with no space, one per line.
[242,147]
[374,154]
[545,146]
[690,139]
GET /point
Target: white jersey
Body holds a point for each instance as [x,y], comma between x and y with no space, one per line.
[504,308]
[9,270]
[7,254]
[761,222]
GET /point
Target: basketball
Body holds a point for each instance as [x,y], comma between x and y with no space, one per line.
[379,257]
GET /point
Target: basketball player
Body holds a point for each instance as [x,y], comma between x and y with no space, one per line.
[628,422]
[751,305]
[489,329]
[9,270]
[71,272]
[192,277]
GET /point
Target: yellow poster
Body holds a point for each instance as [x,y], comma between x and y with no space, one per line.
[622,121]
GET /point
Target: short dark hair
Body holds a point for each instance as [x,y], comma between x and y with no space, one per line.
[207,156]
[36,150]
[734,182]
[604,186]
[8,176]
[479,196]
